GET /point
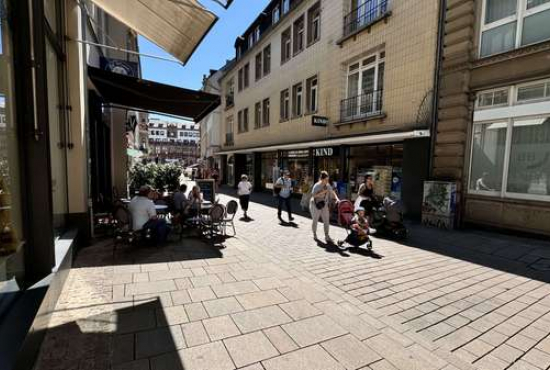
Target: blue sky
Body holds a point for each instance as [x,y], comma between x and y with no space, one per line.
[216,48]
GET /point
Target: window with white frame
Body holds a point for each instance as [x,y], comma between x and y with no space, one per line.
[267,60]
[258,69]
[365,85]
[286,45]
[299,35]
[297,100]
[510,24]
[510,151]
[266,112]
[276,14]
[285,105]
[312,95]
[257,34]
[314,23]
[286,6]
[246,78]
[493,98]
[258,115]
[250,40]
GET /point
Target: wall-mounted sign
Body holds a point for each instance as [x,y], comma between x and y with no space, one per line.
[325,152]
[319,121]
[119,66]
[296,154]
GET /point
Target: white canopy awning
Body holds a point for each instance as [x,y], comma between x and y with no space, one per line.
[177,26]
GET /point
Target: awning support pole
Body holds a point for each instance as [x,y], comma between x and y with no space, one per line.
[129,51]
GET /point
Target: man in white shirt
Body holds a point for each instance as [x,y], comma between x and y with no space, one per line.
[144,215]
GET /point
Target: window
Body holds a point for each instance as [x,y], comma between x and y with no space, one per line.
[493,98]
[314,24]
[267,60]
[257,34]
[246,77]
[258,71]
[312,97]
[510,24]
[258,115]
[286,6]
[297,100]
[365,86]
[242,117]
[265,112]
[230,92]
[276,14]
[510,150]
[286,45]
[241,79]
[250,40]
[299,30]
[285,105]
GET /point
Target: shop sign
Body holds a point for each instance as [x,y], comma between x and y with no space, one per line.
[325,152]
[296,154]
[319,121]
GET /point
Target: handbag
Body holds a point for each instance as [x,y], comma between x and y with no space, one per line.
[320,204]
[277,188]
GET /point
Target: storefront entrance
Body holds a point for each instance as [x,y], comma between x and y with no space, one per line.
[298,162]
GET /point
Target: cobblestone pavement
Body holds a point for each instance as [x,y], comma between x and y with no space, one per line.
[274,299]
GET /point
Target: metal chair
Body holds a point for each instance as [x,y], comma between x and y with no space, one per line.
[213,223]
[122,223]
[229,220]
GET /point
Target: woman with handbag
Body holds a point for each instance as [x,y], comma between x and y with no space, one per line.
[321,195]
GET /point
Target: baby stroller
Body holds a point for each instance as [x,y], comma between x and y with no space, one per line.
[346,213]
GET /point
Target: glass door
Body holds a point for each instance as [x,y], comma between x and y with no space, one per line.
[368,87]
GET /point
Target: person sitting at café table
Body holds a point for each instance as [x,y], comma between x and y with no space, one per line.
[144,215]
[195,199]
[178,197]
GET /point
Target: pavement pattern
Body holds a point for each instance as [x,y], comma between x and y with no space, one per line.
[274,299]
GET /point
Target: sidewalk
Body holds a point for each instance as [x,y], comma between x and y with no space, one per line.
[275,299]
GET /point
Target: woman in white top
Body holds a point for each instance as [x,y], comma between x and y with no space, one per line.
[243,190]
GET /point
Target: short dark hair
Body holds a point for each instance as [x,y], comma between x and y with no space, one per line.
[183,188]
[324,175]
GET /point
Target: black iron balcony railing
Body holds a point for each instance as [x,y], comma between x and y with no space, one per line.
[229,139]
[361,106]
[363,15]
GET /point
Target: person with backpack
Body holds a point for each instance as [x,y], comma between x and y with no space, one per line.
[321,195]
[283,191]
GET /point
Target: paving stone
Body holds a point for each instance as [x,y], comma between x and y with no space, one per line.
[313,330]
[229,289]
[269,283]
[315,357]
[220,327]
[133,365]
[490,362]
[159,341]
[195,311]
[381,365]
[195,334]
[207,280]
[223,306]
[521,342]
[260,318]
[507,353]
[212,356]
[261,299]
[250,348]
[494,338]
[131,322]
[538,358]
[257,366]
[123,349]
[171,316]
[183,284]
[169,275]
[350,352]
[201,294]
[150,287]
[522,365]
[300,309]
[180,297]
[352,323]
[478,348]
[150,267]
[280,339]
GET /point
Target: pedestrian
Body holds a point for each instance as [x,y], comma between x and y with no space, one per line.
[243,190]
[321,195]
[366,193]
[215,176]
[306,193]
[283,191]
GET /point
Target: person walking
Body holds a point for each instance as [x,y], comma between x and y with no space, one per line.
[321,195]
[243,190]
[283,190]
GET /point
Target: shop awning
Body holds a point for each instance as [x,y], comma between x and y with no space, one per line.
[351,140]
[131,92]
[177,26]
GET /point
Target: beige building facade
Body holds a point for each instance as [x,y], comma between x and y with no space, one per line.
[343,86]
[493,132]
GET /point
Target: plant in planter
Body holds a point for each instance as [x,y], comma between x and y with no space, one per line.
[142,174]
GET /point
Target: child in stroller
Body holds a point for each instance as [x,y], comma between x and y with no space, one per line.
[357,226]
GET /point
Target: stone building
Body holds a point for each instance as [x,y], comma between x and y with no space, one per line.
[173,141]
[341,86]
[493,132]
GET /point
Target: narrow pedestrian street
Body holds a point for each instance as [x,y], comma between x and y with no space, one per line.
[275,299]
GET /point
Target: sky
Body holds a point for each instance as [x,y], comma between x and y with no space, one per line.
[212,53]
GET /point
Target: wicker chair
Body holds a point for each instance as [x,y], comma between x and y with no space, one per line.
[229,220]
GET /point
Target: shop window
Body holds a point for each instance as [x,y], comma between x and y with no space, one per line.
[299,35]
[297,100]
[258,115]
[11,231]
[286,48]
[510,24]
[258,71]
[285,105]
[314,24]
[312,94]
[265,112]
[488,146]
[267,60]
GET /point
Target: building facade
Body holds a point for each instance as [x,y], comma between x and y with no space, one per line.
[493,132]
[173,141]
[341,86]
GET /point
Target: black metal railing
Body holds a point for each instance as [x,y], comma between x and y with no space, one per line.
[361,106]
[229,139]
[364,15]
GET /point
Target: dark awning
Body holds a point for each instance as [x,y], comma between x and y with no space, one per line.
[152,96]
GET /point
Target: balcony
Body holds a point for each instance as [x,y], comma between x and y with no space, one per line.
[361,107]
[229,139]
[365,15]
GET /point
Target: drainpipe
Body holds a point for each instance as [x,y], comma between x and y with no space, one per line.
[438,62]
